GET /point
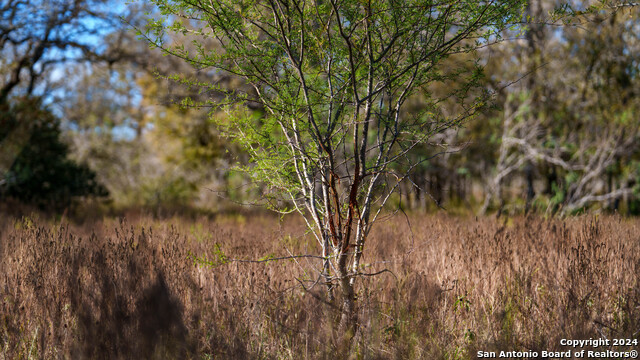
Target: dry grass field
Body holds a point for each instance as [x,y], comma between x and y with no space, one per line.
[126,289]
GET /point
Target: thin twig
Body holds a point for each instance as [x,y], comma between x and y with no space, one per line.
[274,259]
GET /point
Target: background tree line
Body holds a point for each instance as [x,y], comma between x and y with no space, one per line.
[90,110]
[563,136]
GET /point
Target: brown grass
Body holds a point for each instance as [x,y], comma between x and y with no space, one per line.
[111,289]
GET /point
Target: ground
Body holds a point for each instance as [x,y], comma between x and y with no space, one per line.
[456,287]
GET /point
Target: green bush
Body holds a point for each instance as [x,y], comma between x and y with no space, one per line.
[40,172]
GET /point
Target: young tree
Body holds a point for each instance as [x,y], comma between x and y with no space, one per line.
[332,78]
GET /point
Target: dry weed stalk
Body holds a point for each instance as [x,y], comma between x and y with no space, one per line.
[124,289]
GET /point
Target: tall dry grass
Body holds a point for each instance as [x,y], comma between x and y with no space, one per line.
[123,289]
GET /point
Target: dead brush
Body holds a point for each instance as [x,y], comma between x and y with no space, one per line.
[90,297]
[124,289]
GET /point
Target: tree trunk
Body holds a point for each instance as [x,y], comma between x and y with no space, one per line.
[529,170]
[326,268]
[348,319]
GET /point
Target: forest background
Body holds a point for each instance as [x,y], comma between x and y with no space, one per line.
[92,114]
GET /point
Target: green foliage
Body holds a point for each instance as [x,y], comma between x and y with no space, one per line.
[330,75]
[462,303]
[217,258]
[166,190]
[42,173]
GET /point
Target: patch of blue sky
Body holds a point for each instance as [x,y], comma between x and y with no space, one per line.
[123,133]
[91,31]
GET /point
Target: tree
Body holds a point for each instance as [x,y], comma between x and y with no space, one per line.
[332,78]
[126,122]
[574,129]
[37,38]
[41,173]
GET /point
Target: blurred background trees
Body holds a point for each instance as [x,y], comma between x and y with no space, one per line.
[37,39]
[86,109]
[41,172]
[567,135]
[110,105]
